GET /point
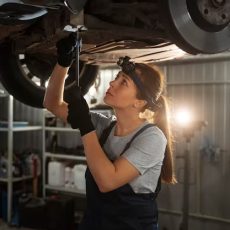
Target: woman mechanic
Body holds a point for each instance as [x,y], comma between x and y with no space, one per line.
[127,158]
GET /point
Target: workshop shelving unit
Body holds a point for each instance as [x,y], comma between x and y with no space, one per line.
[10,131]
[58,156]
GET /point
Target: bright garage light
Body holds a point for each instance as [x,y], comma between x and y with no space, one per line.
[183,117]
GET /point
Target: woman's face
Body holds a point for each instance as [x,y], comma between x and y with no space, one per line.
[121,93]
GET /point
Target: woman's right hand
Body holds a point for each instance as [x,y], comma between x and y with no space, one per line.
[66,48]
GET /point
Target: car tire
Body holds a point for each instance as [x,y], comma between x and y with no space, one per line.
[15,79]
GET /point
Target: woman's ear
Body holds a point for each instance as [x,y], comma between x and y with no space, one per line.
[139,104]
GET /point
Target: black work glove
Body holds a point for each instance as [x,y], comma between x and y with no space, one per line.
[66,48]
[78,113]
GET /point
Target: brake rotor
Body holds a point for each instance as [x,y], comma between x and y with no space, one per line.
[199,26]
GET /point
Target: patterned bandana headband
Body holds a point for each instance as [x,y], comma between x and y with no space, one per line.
[128,67]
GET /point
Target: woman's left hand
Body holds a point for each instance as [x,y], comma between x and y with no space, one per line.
[78,113]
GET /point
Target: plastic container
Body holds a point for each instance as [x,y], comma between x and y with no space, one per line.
[56,173]
[79,176]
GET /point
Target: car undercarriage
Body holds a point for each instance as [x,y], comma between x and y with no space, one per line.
[147,31]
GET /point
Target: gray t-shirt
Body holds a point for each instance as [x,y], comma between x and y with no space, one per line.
[146,152]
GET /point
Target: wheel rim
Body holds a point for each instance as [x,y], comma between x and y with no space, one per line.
[210,15]
[37,72]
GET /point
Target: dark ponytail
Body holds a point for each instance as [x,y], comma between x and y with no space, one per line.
[161,119]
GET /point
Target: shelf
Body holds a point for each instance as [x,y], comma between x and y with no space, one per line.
[16,179]
[61,129]
[81,193]
[8,127]
[65,156]
[20,129]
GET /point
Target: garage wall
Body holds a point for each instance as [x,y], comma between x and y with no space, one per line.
[204,87]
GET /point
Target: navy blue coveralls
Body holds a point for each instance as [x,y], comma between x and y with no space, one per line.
[120,209]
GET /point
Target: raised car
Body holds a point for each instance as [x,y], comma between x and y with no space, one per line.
[146,30]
